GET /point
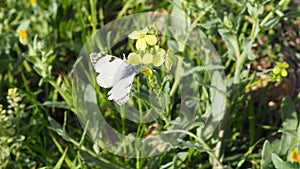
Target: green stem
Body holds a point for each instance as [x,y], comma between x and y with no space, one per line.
[241,59]
[93,18]
[263,22]
[238,68]
[254,27]
[178,73]
[122,111]
[139,130]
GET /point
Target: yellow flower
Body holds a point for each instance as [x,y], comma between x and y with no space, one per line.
[146,71]
[280,69]
[32,1]
[295,156]
[143,39]
[134,58]
[12,91]
[22,34]
[158,59]
[147,58]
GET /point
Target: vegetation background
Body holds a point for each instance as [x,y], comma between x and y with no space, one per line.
[259,45]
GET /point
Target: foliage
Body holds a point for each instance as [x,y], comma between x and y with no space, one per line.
[40,42]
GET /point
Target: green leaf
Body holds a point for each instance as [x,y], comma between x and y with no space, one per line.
[290,123]
[61,160]
[96,162]
[298,145]
[24,25]
[250,9]
[202,68]
[55,126]
[231,43]
[288,114]
[298,133]
[280,164]
[218,103]
[209,24]
[266,161]
[173,45]
[177,11]
[247,45]
[56,104]
[191,145]
[271,23]
[179,159]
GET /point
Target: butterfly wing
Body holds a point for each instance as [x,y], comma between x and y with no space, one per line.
[115,73]
[106,66]
[122,83]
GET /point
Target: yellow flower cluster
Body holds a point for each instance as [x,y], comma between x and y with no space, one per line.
[156,56]
[279,71]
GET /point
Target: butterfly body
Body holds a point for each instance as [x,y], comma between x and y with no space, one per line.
[115,73]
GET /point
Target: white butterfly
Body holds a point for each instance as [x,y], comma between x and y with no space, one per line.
[115,73]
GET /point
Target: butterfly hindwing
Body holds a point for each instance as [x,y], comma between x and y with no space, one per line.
[123,82]
[115,73]
[120,92]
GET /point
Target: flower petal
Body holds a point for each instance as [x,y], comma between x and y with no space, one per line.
[23,34]
[169,63]
[278,64]
[161,52]
[137,34]
[144,31]
[158,60]
[141,44]
[134,35]
[146,71]
[276,70]
[147,58]
[134,58]
[151,39]
[285,65]
[169,59]
[284,73]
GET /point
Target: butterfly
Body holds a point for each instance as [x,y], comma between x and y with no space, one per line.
[115,73]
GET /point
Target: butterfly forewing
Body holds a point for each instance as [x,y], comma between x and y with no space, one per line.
[106,66]
[115,73]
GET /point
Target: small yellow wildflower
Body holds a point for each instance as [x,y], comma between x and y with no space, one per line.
[146,71]
[143,39]
[33,1]
[280,69]
[295,156]
[134,58]
[22,34]
[12,91]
